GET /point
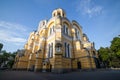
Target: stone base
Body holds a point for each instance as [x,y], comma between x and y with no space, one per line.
[46,70]
[58,71]
[20,69]
[38,70]
[29,69]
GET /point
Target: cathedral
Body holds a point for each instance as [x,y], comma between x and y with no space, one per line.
[58,45]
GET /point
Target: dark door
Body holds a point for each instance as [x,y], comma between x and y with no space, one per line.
[32,67]
[50,67]
[97,63]
[79,65]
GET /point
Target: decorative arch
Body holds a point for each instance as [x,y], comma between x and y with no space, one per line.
[65,20]
[48,26]
[74,23]
[32,34]
[58,12]
[67,50]
[66,24]
[50,23]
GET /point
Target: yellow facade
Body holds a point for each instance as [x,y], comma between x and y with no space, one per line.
[58,45]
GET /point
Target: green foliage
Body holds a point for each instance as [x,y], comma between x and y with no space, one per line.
[104,53]
[1,46]
[111,54]
[118,53]
[7,56]
[115,46]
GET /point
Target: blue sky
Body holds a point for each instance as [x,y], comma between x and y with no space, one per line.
[100,19]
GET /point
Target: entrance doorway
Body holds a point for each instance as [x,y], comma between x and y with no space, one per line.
[97,63]
[79,65]
[32,68]
[50,67]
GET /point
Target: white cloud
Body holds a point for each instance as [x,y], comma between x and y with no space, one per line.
[88,7]
[12,33]
[11,38]
[12,26]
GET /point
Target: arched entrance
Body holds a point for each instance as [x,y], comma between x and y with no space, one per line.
[97,63]
[32,68]
[79,65]
[50,67]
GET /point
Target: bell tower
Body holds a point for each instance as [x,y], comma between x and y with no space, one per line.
[58,12]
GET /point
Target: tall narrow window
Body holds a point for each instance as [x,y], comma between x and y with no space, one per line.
[67,30]
[49,51]
[64,29]
[50,30]
[58,14]
[53,29]
[78,35]
[76,32]
[68,50]
[65,50]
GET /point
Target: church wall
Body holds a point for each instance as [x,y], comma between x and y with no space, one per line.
[22,64]
[53,32]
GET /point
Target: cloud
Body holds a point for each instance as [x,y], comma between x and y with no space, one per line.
[12,26]
[12,32]
[88,7]
[10,38]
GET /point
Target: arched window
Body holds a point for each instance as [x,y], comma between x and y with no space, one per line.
[58,13]
[51,30]
[63,15]
[66,29]
[50,50]
[78,33]
[67,50]
[54,14]
[30,57]
[75,32]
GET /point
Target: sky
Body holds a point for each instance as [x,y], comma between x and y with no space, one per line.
[100,19]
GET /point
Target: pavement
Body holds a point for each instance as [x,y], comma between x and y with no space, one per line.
[79,75]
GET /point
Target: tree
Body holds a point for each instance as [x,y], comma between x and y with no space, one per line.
[104,55]
[115,46]
[111,55]
[11,59]
[1,46]
[7,59]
